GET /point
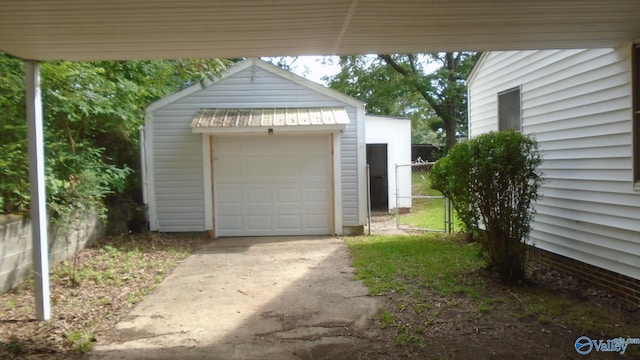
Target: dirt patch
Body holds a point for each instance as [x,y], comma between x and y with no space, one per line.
[456,327]
[384,224]
[509,323]
[111,278]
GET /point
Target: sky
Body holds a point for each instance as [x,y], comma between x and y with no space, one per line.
[314,68]
[311,67]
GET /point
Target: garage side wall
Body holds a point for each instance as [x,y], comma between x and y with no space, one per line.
[176,154]
[577,103]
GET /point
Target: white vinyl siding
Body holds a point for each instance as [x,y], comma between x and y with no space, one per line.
[578,105]
[635,57]
[176,153]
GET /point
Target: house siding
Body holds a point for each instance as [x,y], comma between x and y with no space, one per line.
[177,155]
[578,105]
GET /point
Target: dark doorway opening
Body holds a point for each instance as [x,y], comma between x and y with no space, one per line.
[378,176]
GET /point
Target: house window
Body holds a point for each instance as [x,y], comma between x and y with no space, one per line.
[635,71]
[509,110]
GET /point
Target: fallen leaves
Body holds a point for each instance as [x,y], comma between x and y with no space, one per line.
[110,278]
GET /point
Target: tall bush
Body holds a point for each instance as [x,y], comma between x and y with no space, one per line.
[493,181]
[92,114]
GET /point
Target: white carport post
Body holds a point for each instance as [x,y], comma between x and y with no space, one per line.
[38,202]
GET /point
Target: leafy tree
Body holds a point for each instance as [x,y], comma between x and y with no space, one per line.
[103,102]
[493,181]
[92,113]
[14,187]
[289,63]
[427,88]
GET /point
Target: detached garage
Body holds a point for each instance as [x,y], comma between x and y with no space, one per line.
[258,152]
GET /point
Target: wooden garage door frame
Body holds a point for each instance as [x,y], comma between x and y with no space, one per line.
[209,183]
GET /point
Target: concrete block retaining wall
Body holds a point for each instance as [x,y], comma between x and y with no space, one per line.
[16,258]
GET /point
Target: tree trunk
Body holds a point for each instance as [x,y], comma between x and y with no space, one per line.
[450,123]
[446,109]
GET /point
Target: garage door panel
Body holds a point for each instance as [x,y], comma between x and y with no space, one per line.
[319,221]
[289,196]
[229,222]
[289,222]
[272,185]
[256,167]
[256,197]
[259,222]
[232,167]
[230,196]
[316,196]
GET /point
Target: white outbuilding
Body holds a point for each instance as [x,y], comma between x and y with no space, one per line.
[388,156]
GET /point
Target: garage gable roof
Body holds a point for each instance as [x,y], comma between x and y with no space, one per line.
[269,120]
[252,63]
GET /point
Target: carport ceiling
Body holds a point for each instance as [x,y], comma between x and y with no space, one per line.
[136,29]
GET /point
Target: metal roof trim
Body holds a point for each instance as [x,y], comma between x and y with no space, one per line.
[252,120]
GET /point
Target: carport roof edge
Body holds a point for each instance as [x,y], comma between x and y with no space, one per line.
[84,30]
[221,120]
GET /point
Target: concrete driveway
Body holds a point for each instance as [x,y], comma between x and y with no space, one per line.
[252,298]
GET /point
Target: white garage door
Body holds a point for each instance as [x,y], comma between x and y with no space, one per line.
[272,185]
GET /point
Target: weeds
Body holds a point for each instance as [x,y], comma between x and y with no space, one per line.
[111,277]
[10,304]
[549,307]
[81,340]
[386,319]
[11,349]
[436,283]
[486,305]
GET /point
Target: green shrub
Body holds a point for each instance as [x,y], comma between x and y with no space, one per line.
[493,181]
[77,181]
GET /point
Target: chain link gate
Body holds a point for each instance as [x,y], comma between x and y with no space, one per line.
[424,201]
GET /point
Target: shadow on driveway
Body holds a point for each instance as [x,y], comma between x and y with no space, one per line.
[252,298]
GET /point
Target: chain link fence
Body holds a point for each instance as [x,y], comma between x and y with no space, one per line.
[430,210]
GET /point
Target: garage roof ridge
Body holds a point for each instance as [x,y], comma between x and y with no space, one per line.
[276,70]
[243,65]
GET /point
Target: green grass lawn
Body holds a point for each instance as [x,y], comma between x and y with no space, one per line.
[419,273]
[426,278]
[426,214]
[436,261]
